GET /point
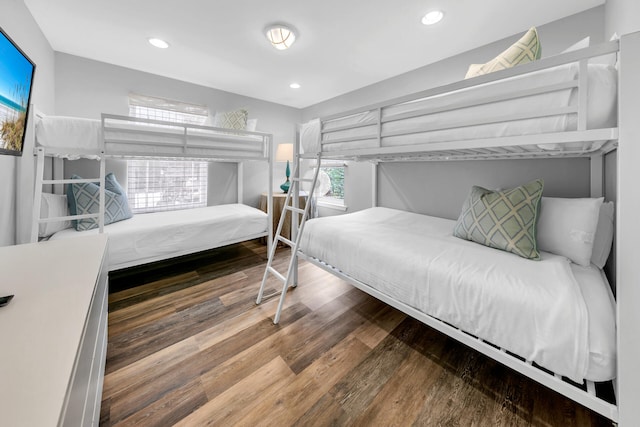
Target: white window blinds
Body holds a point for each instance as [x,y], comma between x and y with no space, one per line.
[149,107]
[158,185]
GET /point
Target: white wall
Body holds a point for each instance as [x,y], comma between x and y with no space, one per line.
[398,189]
[87,88]
[450,182]
[622,17]
[16,172]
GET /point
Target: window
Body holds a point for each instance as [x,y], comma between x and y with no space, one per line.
[334,185]
[159,185]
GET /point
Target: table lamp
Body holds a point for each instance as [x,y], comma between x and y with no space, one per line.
[284,153]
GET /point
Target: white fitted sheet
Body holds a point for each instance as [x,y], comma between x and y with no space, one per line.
[601,106]
[160,235]
[552,312]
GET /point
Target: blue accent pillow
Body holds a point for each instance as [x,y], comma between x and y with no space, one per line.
[84,198]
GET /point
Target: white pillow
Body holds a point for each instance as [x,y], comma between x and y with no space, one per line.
[53,205]
[604,235]
[567,227]
[251,125]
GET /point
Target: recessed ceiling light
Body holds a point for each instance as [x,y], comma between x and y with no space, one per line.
[280,36]
[432,17]
[159,43]
[294,85]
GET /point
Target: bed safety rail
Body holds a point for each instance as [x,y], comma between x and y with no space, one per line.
[125,136]
[415,126]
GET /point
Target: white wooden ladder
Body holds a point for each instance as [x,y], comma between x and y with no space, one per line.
[293,243]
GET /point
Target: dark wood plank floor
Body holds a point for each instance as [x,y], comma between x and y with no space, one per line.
[188,346]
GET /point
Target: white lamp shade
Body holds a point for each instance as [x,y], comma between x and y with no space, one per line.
[284,153]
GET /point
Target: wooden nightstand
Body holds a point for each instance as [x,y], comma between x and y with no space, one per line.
[278,205]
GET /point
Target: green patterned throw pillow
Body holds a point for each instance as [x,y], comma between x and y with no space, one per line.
[236,119]
[504,219]
[527,49]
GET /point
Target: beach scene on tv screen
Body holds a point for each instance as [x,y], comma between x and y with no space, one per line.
[15,84]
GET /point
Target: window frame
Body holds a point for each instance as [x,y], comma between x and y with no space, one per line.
[148,107]
[329,201]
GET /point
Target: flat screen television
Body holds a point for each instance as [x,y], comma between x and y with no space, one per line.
[16,81]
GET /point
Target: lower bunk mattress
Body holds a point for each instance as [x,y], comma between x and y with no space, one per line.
[552,312]
[160,235]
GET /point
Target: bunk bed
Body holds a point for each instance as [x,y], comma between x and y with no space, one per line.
[562,106]
[161,235]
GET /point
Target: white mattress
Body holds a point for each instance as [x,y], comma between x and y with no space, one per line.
[124,137]
[160,235]
[555,313]
[601,105]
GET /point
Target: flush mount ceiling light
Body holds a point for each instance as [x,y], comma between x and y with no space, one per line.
[432,17]
[294,85]
[159,43]
[280,36]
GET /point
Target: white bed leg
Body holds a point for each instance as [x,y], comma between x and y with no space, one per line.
[37,193]
[374,184]
[628,231]
[240,182]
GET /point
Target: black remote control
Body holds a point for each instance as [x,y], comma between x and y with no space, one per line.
[5,300]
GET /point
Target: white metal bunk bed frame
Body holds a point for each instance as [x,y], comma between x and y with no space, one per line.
[528,146]
[183,148]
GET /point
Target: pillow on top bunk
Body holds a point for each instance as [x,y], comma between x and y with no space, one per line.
[236,119]
[84,198]
[504,219]
[567,227]
[251,125]
[527,49]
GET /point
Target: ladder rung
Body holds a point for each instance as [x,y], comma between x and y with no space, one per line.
[302,179]
[70,181]
[298,210]
[285,241]
[68,218]
[277,274]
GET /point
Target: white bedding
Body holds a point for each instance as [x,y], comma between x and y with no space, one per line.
[123,137]
[552,312]
[601,106]
[160,235]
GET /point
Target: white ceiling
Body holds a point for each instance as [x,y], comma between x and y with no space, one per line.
[342,45]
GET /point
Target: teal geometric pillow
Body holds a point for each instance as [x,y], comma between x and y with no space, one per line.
[503,220]
[84,198]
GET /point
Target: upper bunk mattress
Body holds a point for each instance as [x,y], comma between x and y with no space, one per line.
[475,115]
[160,235]
[552,312]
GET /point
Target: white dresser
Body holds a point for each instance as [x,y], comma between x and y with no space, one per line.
[53,333]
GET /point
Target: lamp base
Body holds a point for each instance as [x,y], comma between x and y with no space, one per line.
[285,186]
